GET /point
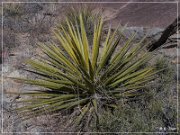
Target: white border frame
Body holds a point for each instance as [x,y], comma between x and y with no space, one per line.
[2,92]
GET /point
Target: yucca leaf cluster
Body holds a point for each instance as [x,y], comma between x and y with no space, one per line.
[74,73]
[88,16]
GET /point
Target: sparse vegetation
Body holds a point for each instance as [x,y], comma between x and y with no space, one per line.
[69,69]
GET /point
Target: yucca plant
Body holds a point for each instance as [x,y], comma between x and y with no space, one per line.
[88,17]
[74,75]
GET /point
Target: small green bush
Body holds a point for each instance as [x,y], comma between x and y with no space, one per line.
[13,10]
[149,112]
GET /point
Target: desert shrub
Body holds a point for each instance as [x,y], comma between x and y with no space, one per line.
[13,10]
[74,76]
[150,112]
[163,63]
